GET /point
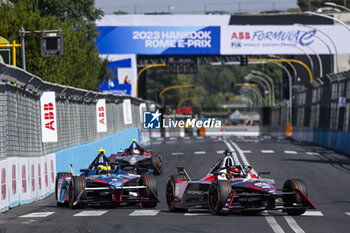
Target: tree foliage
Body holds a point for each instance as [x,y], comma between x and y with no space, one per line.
[80,66]
[213,85]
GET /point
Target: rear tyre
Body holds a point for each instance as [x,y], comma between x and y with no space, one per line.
[149,181]
[292,185]
[76,185]
[219,192]
[60,174]
[157,164]
[170,193]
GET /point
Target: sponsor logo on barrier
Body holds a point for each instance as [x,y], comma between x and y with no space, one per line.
[48,117]
[153,120]
[101,115]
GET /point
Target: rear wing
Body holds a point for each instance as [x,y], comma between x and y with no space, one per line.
[182,172]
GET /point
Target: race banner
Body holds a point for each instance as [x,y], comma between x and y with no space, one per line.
[48,117]
[159,40]
[101,116]
[127,112]
[284,39]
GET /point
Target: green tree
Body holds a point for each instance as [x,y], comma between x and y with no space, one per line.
[79,67]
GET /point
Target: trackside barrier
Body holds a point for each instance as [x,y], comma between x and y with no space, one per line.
[28,165]
[321,112]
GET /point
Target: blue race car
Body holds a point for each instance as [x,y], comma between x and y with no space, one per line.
[105,183]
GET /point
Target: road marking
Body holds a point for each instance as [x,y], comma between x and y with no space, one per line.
[90,213]
[234,155]
[172,138]
[186,138]
[312,213]
[200,137]
[290,152]
[220,151]
[312,153]
[197,214]
[347,213]
[177,153]
[37,215]
[273,224]
[244,159]
[144,213]
[267,151]
[157,143]
[246,151]
[200,152]
[293,224]
[159,139]
[212,137]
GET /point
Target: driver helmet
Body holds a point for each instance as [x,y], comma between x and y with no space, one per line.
[136,151]
[233,172]
[101,169]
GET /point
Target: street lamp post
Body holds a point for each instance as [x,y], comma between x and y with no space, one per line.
[337,5]
[262,82]
[258,73]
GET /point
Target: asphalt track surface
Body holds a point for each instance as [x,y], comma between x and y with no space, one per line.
[326,174]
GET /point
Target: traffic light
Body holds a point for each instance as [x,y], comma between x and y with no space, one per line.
[244,60]
[51,44]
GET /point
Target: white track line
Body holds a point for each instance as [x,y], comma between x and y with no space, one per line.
[267,151]
[200,137]
[159,139]
[199,152]
[244,159]
[347,213]
[290,152]
[37,215]
[157,143]
[220,151]
[172,138]
[293,224]
[197,214]
[234,155]
[91,213]
[312,153]
[273,224]
[177,153]
[144,213]
[312,213]
[246,151]
[186,138]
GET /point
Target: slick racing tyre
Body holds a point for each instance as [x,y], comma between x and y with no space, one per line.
[60,174]
[149,181]
[170,192]
[292,185]
[157,164]
[76,185]
[219,192]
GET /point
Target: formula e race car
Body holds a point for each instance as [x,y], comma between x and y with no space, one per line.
[135,160]
[230,187]
[105,183]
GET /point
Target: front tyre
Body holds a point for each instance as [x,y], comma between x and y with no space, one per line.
[170,193]
[219,192]
[149,181]
[157,164]
[289,200]
[76,186]
[58,176]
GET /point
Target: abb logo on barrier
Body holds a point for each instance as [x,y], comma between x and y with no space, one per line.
[240,36]
[101,116]
[48,117]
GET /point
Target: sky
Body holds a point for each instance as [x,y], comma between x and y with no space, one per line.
[193,6]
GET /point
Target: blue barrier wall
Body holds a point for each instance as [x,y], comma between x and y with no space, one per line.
[336,140]
[81,156]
